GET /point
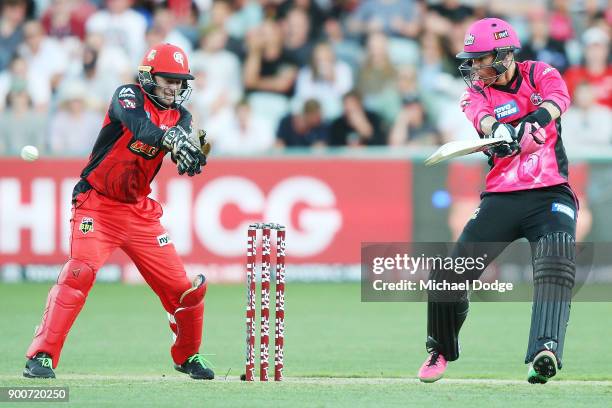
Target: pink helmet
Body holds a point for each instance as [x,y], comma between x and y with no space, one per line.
[487,36]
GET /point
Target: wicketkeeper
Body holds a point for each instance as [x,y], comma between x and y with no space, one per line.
[527,195]
[111,209]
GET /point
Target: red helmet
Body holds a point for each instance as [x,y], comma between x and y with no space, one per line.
[168,61]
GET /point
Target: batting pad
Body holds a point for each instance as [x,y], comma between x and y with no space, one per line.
[554,270]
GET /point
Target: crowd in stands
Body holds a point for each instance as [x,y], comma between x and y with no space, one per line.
[275,74]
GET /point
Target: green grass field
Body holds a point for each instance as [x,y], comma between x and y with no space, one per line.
[338,352]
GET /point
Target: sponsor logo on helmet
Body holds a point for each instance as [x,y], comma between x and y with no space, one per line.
[469,40]
[178,57]
[498,35]
[536,98]
[151,55]
[505,110]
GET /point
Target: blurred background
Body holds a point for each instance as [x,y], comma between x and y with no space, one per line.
[320,113]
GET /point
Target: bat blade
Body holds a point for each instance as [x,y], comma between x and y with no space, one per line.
[462,148]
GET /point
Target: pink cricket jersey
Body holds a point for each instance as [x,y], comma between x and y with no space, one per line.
[536,166]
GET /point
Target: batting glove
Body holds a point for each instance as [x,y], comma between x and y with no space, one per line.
[532,123]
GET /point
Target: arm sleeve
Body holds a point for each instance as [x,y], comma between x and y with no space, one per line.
[127,106]
[551,86]
[475,106]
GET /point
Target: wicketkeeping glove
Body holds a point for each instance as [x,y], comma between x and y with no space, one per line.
[185,151]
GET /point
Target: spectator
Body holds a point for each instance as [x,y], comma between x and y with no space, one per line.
[412,127]
[296,31]
[586,123]
[356,126]
[12,17]
[66,18]
[450,11]
[222,67]
[325,79]
[247,15]
[597,71]
[303,129]
[560,21]
[392,17]
[541,47]
[315,14]
[189,26]
[434,63]
[122,27]
[45,57]
[102,68]
[345,49]
[21,125]
[377,79]
[166,22]
[217,87]
[241,132]
[267,67]
[219,18]
[37,87]
[74,128]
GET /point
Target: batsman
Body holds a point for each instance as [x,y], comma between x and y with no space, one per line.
[527,195]
[111,209]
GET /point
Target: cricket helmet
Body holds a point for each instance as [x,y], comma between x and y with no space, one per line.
[489,36]
[168,61]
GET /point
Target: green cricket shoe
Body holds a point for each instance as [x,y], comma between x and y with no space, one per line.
[39,366]
[543,368]
[197,367]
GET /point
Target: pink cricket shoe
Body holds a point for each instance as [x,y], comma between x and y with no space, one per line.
[433,368]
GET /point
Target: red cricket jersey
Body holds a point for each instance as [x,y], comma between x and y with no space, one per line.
[128,153]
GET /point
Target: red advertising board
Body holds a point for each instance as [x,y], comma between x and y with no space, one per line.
[329,206]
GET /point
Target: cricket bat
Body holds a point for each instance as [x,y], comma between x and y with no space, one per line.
[462,148]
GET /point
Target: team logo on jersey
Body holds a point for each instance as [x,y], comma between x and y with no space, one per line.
[143,149]
[127,103]
[501,34]
[178,57]
[469,40]
[87,225]
[505,110]
[536,98]
[164,240]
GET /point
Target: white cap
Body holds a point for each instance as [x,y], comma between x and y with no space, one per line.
[595,35]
